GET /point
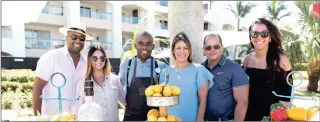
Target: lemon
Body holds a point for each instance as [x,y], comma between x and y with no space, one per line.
[175,90]
[171,118]
[157,95]
[157,88]
[167,91]
[149,91]
[152,118]
[153,112]
[162,119]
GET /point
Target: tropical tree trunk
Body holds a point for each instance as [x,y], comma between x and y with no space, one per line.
[314,75]
[187,16]
[238,24]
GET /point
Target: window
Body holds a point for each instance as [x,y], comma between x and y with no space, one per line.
[205,26]
[6,32]
[37,39]
[85,11]
[205,6]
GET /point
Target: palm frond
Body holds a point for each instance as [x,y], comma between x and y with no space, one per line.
[287,14]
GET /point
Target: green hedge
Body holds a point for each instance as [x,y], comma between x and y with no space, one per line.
[12,100]
[21,76]
[8,86]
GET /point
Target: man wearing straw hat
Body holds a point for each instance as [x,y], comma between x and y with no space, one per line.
[66,60]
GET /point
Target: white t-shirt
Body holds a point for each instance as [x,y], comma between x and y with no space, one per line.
[59,60]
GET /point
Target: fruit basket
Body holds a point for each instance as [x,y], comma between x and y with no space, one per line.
[162,96]
[278,112]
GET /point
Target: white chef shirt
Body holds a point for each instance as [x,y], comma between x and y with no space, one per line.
[59,60]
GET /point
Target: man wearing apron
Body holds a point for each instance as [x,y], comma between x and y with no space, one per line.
[138,73]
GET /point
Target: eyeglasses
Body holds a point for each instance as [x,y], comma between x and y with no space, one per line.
[95,58]
[209,47]
[75,37]
[263,34]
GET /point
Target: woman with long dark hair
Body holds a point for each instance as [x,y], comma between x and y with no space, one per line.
[107,87]
[267,68]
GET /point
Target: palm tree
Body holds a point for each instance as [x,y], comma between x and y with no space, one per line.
[248,49]
[241,10]
[187,16]
[311,28]
[293,46]
[274,9]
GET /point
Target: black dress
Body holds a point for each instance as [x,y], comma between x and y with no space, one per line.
[260,92]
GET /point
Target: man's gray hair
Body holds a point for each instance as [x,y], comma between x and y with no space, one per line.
[217,36]
[145,34]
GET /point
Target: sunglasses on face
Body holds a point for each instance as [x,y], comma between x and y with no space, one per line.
[263,34]
[209,47]
[75,37]
[95,58]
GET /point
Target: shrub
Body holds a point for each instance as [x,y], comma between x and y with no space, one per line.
[10,99]
[7,86]
[21,75]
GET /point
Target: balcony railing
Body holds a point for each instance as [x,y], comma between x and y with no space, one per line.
[164,3]
[105,45]
[129,19]
[105,16]
[35,43]
[49,9]
[95,14]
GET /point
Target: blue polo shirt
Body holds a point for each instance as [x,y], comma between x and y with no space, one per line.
[227,74]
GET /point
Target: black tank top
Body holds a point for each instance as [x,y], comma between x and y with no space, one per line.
[260,92]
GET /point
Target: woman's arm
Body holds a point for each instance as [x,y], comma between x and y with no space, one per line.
[202,96]
[121,96]
[285,64]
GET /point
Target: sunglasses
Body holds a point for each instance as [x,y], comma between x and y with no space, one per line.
[95,58]
[209,47]
[75,37]
[263,34]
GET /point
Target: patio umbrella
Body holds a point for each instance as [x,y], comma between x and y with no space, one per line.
[316,10]
[17,12]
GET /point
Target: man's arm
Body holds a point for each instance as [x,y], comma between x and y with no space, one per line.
[202,95]
[37,92]
[241,94]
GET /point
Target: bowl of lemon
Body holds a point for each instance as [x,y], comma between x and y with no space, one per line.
[162,95]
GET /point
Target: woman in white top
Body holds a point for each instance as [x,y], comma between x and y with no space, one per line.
[107,87]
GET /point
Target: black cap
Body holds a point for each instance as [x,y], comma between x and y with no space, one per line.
[88,87]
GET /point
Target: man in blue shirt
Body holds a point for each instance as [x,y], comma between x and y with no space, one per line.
[228,98]
[138,73]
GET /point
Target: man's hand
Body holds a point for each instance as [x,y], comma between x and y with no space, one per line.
[36,93]
[241,95]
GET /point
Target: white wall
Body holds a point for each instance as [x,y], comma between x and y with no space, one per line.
[16,45]
[127,12]
[101,33]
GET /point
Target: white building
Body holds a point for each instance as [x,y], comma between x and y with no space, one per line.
[110,22]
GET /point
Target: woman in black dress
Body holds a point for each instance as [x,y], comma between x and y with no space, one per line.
[267,68]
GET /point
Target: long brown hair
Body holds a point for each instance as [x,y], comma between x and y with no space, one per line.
[107,66]
[181,36]
[274,49]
